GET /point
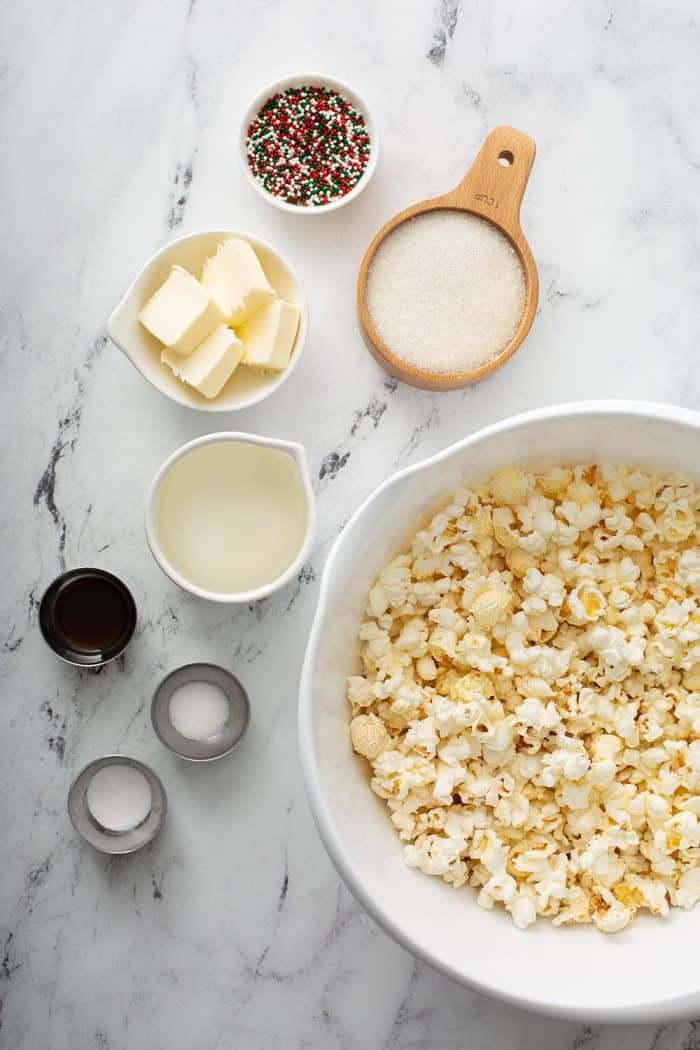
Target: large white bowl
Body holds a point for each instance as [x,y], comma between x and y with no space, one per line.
[647,973]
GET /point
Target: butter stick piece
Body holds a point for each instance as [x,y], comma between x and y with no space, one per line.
[236,279]
[210,364]
[268,336]
[182,312]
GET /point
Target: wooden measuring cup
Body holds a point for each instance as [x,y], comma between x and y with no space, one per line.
[493,189]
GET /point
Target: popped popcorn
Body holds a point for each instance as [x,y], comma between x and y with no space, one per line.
[529,701]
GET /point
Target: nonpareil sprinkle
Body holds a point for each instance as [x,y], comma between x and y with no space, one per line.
[308,146]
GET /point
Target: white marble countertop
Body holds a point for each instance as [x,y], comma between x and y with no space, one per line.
[233,930]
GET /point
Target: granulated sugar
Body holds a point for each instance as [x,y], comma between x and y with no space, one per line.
[446,291]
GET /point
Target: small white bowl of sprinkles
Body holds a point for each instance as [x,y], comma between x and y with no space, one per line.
[308,144]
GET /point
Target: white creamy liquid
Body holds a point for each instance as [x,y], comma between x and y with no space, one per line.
[198,710]
[119,797]
[446,291]
[231,516]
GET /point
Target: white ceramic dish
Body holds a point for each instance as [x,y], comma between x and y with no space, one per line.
[299,80]
[298,455]
[647,973]
[245,387]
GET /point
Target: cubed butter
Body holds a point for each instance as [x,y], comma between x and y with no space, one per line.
[182,312]
[210,364]
[268,336]
[236,279]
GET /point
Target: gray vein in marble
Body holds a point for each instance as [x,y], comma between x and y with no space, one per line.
[471,96]
[345,911]
[35,878]
[679,1036]
[9,965]
[365,422]
[67,434]
[555,296]
[553,292]
[692,1039]
[680,142]
[376,407]
[83,527]
[13,640]
[167,623]
[132,721]
[306,576]
[184,169]
[182,180]
[585,1038]
[407,450]
[663,1037]
[445,19]
[57,723]
[45,492]
[332,464]
[284,888]
[404,1014]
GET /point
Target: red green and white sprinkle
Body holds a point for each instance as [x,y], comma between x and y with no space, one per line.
[308,146]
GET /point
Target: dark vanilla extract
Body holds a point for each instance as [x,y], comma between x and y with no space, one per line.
[92,614]
[87,616]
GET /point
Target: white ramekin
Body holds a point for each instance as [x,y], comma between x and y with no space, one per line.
[292,449]
[300,80]
[246,387]
[649,972]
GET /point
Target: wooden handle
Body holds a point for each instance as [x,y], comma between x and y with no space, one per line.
[495,184]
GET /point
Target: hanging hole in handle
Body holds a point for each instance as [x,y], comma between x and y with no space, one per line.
[506,158]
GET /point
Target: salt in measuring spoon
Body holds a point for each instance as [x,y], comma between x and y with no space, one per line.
[227,735]
[493,190]
[123,839]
